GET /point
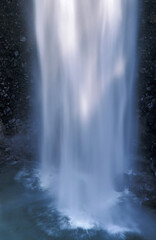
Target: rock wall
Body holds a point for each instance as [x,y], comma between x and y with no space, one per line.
[147,83]
[15,60]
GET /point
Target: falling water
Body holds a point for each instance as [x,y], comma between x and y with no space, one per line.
[87,60]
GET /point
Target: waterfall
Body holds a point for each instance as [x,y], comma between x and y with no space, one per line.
[87,59]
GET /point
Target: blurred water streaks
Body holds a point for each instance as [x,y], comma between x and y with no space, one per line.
[87,52]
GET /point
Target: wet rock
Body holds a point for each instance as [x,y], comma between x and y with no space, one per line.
[23,39]
[147,101]
[12,121]
[7,149]
[16,53]
[149,203]
[153,166]
[2,129]
[15,63]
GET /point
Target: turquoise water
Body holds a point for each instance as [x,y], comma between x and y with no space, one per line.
[28,213]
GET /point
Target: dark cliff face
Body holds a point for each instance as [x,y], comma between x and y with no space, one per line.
[15,71]
[147,82]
